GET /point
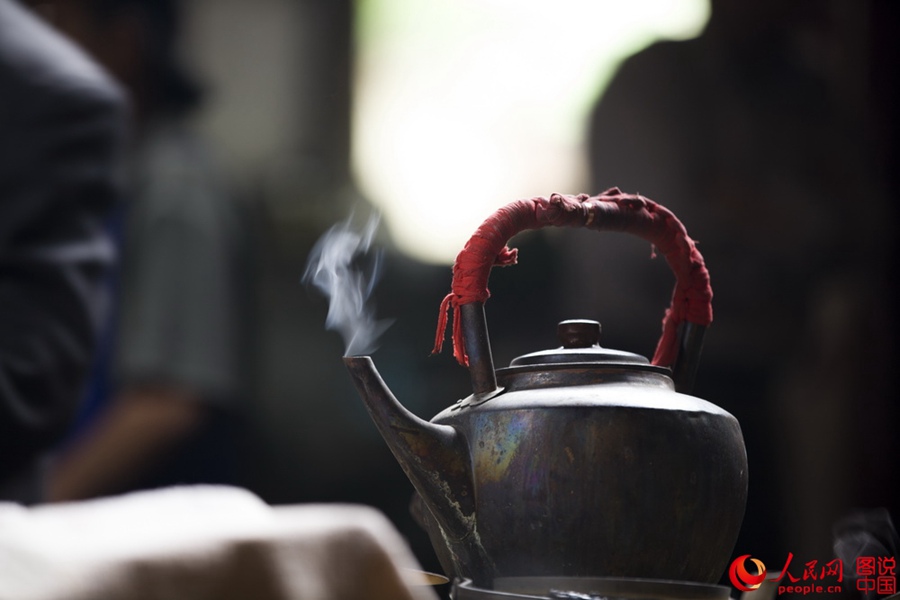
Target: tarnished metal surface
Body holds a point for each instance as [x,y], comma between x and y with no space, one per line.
[573,470]
[436,460]
[619,477]
[478,348]
[690,344]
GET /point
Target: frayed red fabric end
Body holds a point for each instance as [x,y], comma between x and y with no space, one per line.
[448,304]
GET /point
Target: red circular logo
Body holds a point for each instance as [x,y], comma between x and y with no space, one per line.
[742,579]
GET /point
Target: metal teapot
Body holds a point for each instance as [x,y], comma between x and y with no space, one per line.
[579,461]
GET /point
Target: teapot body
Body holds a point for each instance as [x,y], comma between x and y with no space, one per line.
[578,461]
[590,470]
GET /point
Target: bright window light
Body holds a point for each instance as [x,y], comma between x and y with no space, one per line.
[464,105]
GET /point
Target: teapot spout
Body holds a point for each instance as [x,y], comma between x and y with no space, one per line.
[436,460]
[434,457]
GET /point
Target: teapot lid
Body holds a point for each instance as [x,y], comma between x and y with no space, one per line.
[580,339]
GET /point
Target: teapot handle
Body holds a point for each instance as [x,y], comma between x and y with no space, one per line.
[684,322]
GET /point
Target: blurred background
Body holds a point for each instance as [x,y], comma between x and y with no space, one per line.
[488,98]
[770,128]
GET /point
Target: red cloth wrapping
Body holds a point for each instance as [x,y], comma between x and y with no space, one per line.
[610,211]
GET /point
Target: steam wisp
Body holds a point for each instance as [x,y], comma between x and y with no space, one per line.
[342,268]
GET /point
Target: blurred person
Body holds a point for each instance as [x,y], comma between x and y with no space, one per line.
[755,135]
[61,132]
[163,407]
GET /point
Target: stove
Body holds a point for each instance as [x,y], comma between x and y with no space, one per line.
[588,588]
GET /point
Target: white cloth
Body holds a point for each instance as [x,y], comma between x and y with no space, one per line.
[199,543]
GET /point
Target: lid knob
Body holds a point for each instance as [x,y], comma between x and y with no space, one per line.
[578,333]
